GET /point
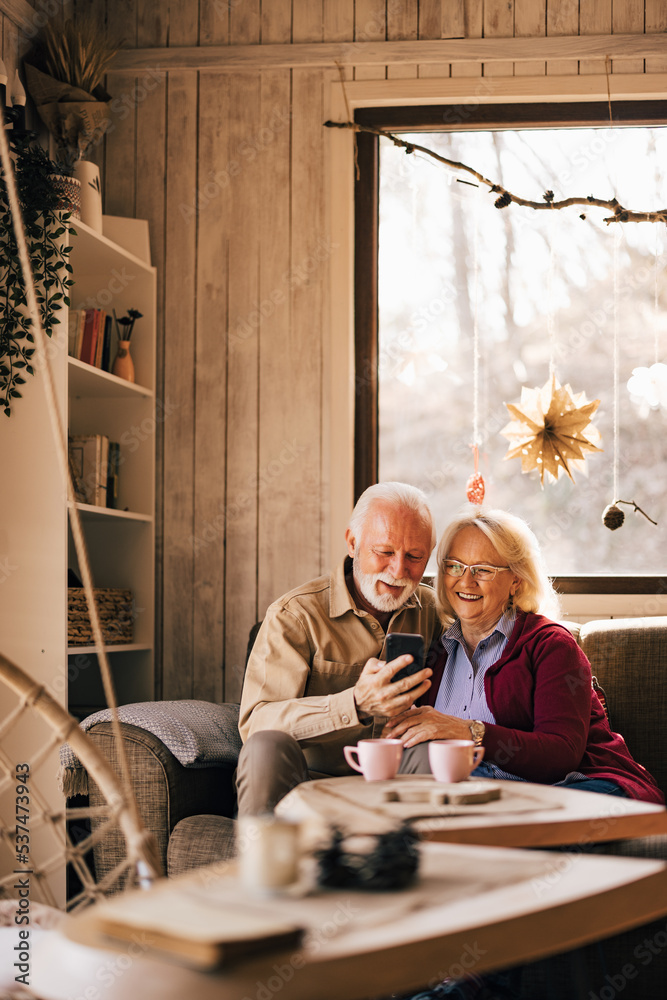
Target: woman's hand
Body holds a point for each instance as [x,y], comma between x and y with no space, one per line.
[418,725]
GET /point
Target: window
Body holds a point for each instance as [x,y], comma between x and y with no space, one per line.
[539,287]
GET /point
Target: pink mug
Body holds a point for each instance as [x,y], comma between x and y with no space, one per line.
[453,760]
[377,759]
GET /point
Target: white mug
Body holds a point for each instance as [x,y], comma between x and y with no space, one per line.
[453,760]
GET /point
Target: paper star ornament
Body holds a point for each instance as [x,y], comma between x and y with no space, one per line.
[551,429]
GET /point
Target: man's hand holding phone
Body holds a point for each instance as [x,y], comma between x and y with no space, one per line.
[387,688]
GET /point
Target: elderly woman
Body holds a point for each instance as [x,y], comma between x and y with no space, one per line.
[510,678]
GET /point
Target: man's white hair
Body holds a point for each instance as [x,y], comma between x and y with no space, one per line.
[401,495]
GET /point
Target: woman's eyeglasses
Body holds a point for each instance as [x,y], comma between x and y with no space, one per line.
[480,571]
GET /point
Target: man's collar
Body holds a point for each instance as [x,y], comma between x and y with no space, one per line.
[340,599]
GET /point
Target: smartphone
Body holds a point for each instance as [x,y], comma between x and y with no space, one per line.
[399,643]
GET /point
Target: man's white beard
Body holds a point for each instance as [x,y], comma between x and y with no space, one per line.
[383,602]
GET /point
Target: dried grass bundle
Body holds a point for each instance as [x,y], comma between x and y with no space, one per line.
[76,54]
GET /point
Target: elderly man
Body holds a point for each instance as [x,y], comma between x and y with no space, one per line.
[316,679]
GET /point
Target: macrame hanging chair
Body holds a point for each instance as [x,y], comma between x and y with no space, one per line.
[32,719]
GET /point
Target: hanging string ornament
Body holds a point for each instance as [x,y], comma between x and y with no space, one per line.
[475,487]
[551,428]
[612,515]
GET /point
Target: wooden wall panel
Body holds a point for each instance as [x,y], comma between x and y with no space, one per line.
[244,279]
[402,24]
[120,19]
[594,19]
[655,21]
[563,19]
[530,22]
[307,20]
[210,416]
[179,584]
[431,15]
[241,504]
[277,473]
[472,19]
[310,253]
[120,149]
[370,25]
[628,19]
[498,23]
[279,355]
[151,121]
[276,22]
[153,28]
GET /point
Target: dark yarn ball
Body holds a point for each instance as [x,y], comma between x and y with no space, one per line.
[612,517]
[392,864]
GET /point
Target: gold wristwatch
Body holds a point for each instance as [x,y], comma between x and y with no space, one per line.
[477,730]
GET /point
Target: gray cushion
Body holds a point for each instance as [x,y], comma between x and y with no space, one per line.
[201,840]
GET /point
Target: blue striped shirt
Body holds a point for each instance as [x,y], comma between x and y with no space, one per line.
[462,686]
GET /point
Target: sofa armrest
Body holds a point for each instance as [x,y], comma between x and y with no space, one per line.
[628,656]
[166,792]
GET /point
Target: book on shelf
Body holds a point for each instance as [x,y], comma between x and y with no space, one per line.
[76,322]
[89,341]
[89,459]
[89,337]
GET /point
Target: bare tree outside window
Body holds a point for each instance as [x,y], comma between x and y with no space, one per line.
[540,286]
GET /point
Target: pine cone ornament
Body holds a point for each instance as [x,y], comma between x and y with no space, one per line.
[475,488]
[612,517]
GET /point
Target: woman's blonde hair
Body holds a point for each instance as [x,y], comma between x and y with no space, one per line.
[517,547]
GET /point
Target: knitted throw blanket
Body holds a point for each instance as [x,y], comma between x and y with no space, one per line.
[198,733]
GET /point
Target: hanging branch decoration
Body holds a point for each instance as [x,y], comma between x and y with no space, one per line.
[505,197]
[613,517]
[551,429]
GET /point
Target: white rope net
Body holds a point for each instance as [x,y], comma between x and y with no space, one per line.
[37,832]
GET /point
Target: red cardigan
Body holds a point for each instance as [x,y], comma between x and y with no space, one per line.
[549,719]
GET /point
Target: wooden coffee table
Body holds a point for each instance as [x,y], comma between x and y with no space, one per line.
[474,909]
[525,814]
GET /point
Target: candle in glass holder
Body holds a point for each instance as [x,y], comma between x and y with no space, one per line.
[18,101]
[268,850]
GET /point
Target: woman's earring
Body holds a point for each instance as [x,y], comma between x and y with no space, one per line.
[510,601]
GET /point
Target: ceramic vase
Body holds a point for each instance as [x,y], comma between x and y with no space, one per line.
[88,174]
[123,366]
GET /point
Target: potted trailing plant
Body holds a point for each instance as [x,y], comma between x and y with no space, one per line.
[45,226]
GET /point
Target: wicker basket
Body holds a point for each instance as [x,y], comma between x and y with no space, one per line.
[114,608]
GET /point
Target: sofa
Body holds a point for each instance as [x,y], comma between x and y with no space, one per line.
[190,810]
